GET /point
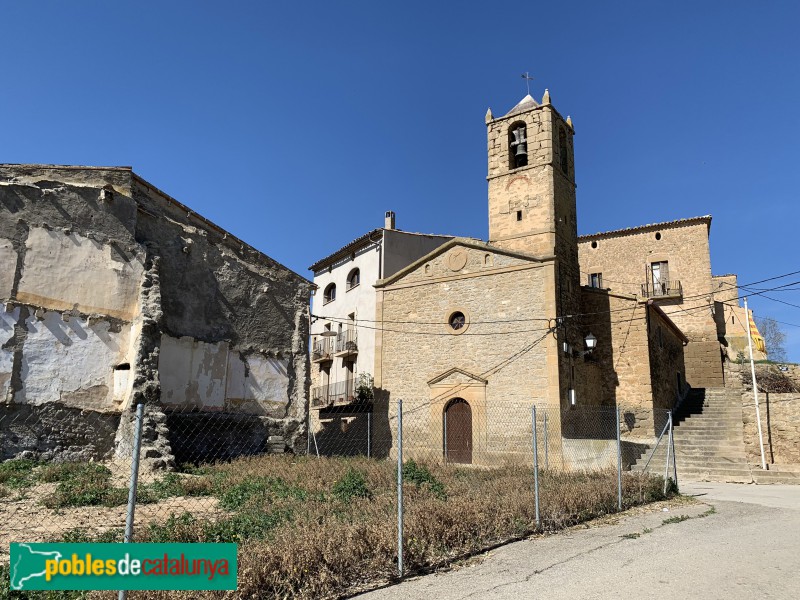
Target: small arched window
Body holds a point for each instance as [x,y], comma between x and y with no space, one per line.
[517,145]
[563,152]
[330,293]
[353,279]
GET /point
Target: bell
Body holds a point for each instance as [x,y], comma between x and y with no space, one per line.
[521,150]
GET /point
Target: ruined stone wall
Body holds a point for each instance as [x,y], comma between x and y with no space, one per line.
[68,312]
[121,295]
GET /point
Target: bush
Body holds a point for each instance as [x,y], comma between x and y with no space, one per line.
[248,525]
[17,473]
[244,526]
[67,471]
[352,485]
[86,484]
[82,535]
[263,489]
[168,486]
[421,476]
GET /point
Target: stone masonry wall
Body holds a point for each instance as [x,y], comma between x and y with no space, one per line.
[667,362]
[633,366]
[624,258]
[780,427]
[504,299]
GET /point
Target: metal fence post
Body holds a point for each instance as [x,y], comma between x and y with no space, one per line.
[444,420]
[308,432]
[669,450]
[546,453]
[369,434]
[316,446]
[619,463]
[674,458]
[400,488]
[535,466]
[137,445]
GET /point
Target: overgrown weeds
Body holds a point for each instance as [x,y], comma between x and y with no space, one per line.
[17,473]
[84,484]
[317,528]
[676,519]
[352,485]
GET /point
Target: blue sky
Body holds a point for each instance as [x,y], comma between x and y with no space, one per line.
[296,125]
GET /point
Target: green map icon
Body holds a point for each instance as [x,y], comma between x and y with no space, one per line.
[28,564]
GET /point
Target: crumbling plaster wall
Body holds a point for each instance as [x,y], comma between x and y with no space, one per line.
[235,323]
[108,270]
[69,290]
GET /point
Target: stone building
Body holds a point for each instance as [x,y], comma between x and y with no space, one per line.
[472,334]
[511,318]
[732,322]
[670,264]
[113,294]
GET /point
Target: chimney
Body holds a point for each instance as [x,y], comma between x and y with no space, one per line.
[389,220]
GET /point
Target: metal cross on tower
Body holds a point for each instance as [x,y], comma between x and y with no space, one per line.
[528,80]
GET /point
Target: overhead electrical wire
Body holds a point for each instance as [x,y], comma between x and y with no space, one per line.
[568,316]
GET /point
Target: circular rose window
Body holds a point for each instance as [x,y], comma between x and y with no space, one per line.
[457,321]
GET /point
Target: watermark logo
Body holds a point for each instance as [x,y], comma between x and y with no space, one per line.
[60,566]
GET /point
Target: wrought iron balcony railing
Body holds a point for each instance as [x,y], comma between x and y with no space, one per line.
[322,349]
[346,342]
[668,288]
[341,392]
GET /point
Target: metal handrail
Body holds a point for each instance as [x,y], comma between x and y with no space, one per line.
[332,393]
[347,340]
[663,288]
[322,348]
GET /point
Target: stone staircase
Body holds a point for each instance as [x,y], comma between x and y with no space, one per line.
[709,442]
[777,474]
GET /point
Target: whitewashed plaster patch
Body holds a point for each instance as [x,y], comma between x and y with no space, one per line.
[71,361]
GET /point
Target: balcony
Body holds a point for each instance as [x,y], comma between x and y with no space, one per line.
[667,288]
[346,343]
[334,394]
[322,350]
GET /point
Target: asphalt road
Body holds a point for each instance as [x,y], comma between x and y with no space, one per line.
[748,548]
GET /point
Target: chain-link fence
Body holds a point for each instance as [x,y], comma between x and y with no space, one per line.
[386,488]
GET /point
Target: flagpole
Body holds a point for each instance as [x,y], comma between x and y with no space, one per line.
[755,386]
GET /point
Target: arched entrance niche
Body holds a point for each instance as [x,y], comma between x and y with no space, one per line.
[457,434]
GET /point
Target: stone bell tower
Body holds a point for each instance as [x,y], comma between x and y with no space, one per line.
[532,210]
[531,179]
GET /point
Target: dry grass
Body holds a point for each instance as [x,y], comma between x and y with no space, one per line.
[324,528]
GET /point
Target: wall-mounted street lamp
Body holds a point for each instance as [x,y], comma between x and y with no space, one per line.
[591,343]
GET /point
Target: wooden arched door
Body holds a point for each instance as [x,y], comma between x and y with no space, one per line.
[458,432]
